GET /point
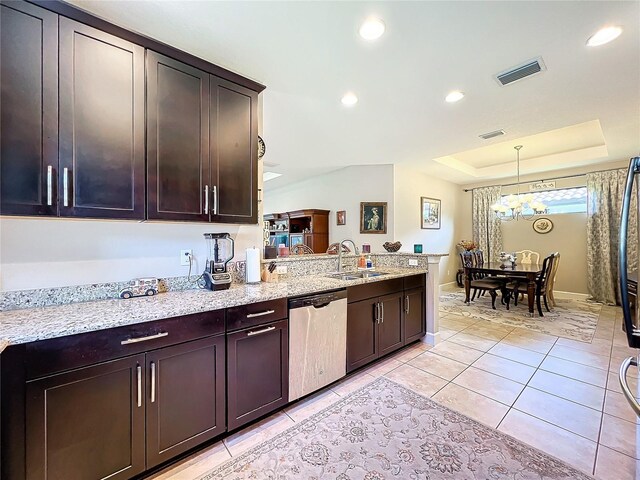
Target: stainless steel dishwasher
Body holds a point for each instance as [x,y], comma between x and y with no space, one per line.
[317,341]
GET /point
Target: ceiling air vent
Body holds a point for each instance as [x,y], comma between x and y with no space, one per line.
[521,71]
[495,133]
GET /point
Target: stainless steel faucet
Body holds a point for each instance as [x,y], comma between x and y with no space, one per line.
[340,269]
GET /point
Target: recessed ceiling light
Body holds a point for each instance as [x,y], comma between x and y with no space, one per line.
[266,176]
[454,96]
[604,35]
[349,99]
[371,29]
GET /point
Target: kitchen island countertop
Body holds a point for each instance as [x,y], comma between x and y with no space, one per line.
[33,324]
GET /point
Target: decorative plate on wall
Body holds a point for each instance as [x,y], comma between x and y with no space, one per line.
[542,225]
[261,147]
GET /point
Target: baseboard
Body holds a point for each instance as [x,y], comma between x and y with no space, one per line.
[575,295]
[432,338]
[442,285]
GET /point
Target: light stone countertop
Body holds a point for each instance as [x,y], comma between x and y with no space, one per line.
[32,324]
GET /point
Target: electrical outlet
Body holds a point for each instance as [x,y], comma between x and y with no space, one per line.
[184,257]
[281,269]
[413,262]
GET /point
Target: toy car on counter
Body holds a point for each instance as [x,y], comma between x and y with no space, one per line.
[140,287]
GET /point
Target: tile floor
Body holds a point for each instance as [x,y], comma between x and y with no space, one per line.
[556,394]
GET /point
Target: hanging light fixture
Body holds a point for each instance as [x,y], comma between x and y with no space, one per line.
[517,205]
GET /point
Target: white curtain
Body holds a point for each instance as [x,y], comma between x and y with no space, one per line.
[604,206]
[487,227]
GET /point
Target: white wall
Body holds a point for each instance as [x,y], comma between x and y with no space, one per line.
[409,186]
[40,253]
[342,189]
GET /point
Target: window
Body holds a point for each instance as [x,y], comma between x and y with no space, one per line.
[564,200]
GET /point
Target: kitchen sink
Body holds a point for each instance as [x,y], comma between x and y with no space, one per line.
[354,275]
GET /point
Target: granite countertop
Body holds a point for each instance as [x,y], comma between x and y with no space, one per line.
[32,324]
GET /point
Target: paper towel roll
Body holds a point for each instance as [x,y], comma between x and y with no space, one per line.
[253,265]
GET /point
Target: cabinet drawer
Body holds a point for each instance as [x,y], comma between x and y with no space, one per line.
[414,281]
[65,353]
[374,289]
[246,316]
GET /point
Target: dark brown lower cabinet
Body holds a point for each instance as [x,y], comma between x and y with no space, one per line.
[390,328]
[415,326]
[87,423]
[257,372]
[362,333]
[185,399]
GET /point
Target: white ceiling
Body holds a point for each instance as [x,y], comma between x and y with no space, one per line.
[308,54]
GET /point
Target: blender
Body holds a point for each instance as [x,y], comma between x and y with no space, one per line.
[220,253]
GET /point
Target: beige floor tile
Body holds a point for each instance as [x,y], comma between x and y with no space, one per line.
[471,404]
[438,365]
[597,346]
[497,388]
[563,413]
[453,324]
[517,354]
[313,404]
[540,337]
[257,433]
[472,341]
[527,343]
[417,380]
[616,361]
[612,465]
[446,333]
[462,319]
[195,465]
[620,435]
[577,371]
[613,383]
[379,368]
[352,383]
[580,356]
[457,352]
[518,372]
[569,389]
[571,448]
[487,333]
[616,404]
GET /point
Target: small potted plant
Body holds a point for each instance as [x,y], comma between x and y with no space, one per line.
[468,245]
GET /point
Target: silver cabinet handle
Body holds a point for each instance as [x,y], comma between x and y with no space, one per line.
[143,339]
[65,187]
[378,313]
[258,332]
[260,314]
[215,199]
[139,373]
[206,199]
[406,306]
[153,382]
[622,377]
[381,312]
[49,185]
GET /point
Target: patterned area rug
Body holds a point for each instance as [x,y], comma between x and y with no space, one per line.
[385,431]
[574,319]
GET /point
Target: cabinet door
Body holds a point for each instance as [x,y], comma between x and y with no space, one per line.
[29,113]
[101,124]
[185,397]
[415,325]
[177,140]
[234,152]
[257,372]
[362,334]
[87,423]
[391,328]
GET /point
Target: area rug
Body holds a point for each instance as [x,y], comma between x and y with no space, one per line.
[385,431]
[571,318]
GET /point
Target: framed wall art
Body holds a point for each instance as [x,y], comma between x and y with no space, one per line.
[430,213]
[341,217]
[373,217]
[542,225]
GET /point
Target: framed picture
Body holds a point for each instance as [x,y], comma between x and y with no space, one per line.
[542,225]
[341,217]
[430,213]
[373,217]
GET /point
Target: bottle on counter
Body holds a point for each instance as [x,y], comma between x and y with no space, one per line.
[369,262]
[362,262]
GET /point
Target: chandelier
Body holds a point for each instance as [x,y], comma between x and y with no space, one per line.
[518,204]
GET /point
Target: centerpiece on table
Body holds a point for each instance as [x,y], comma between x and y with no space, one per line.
[468,245]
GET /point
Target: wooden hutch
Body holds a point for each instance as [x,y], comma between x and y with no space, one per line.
[309,227]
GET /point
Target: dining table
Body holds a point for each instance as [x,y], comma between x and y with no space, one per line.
[527,272]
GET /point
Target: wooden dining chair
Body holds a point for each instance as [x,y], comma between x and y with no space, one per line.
[527,257]
[552,279]
[542,285]
[484,284]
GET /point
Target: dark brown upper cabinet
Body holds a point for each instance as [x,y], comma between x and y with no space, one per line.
[234,153]
[177,140]
[101,130]
[29,113]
